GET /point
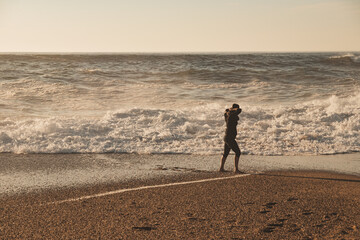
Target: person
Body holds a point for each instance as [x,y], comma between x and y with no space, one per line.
[231,119]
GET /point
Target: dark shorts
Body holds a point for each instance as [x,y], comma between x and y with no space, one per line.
[231,144]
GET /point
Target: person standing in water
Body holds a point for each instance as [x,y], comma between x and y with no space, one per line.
[231,119]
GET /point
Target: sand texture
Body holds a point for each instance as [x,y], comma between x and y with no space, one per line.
[274,205]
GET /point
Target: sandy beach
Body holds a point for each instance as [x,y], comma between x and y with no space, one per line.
[127,145]
[180,120]
[271,205]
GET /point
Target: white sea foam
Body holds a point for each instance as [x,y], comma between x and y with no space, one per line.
[351,56]
[319,127]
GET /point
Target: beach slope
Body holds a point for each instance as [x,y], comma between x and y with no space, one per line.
[272,205]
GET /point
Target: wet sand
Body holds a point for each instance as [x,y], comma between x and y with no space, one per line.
[29,172]
[272,205]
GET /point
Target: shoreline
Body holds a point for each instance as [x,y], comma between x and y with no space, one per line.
[33,172]
[275,204]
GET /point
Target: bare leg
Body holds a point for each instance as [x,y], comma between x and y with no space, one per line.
[236,170]
[223,160]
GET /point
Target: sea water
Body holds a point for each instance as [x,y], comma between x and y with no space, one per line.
[293,103]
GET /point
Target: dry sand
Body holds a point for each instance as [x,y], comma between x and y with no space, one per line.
[274,205]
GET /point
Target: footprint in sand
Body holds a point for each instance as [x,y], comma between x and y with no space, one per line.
[292,199]
[272,226]
[191,217]
[307,212]
[144,228]
[348,230]
[268,229]
[276,225]
[195,219]
[270,204]
[294,228]
[179,169]
[281,220]
[264,211]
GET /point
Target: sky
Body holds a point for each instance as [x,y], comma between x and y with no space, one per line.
[179,25]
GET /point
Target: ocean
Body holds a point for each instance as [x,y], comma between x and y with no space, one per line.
[293,103]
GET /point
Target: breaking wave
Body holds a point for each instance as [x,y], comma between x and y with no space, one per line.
[329,126]
[346,57]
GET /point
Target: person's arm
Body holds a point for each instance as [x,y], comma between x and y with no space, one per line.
[226,114]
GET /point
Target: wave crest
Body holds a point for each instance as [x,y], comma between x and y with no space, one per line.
[346,57]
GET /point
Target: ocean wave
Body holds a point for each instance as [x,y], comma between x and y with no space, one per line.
[252,84]
[327,126]
[91,71]
[346,57]
[204,71]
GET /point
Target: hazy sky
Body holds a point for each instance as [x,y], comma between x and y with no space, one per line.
[179,25]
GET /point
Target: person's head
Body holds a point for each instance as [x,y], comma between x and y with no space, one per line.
[236,108]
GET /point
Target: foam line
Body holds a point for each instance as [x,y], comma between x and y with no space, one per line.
[146,187]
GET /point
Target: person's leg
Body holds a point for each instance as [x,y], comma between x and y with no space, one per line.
[235,147]
[223,159]
[236,169]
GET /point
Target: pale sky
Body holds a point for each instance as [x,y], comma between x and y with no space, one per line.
[179,25]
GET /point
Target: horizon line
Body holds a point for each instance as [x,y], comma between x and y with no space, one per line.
[170,52]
